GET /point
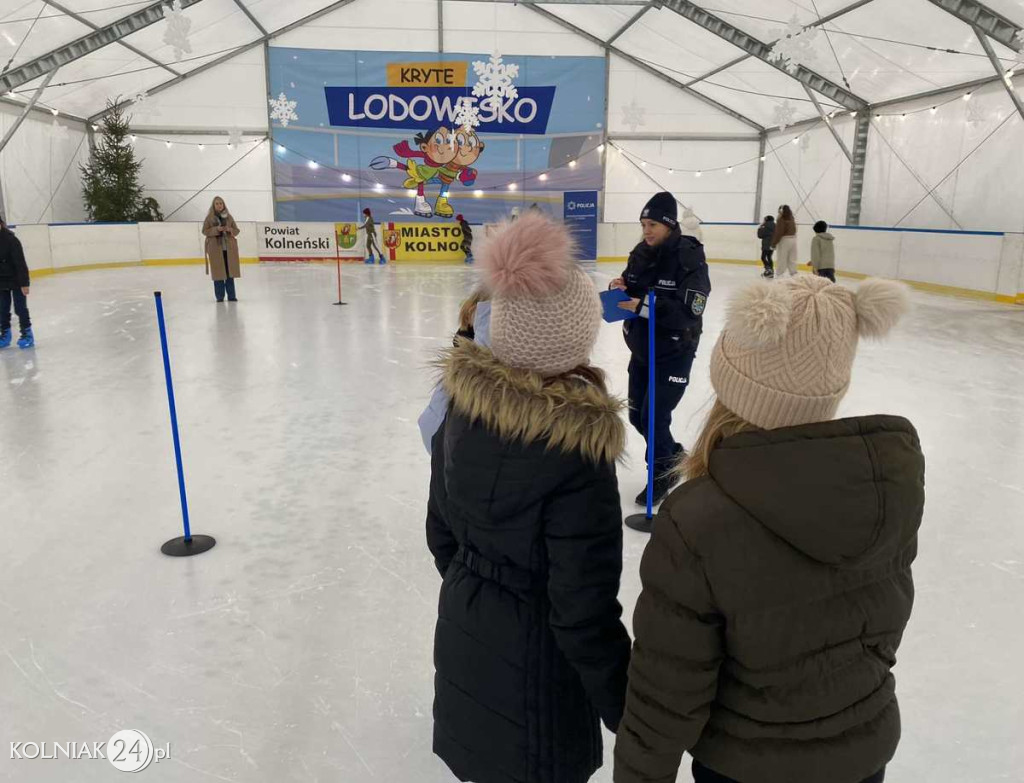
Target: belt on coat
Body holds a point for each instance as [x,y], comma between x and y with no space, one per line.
[511,577]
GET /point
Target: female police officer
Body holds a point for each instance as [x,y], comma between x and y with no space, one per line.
[675,267]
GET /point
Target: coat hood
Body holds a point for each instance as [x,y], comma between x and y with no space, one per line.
[826,236]
[849,493]
[569,412]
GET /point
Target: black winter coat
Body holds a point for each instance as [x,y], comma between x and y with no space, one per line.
[525,526]
[766,232]
[775,594]
[678,272]
[13,268]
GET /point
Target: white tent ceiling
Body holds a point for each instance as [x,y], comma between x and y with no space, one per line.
[879,50]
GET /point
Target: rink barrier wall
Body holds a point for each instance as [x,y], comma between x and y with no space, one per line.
[978,264]
[981,265]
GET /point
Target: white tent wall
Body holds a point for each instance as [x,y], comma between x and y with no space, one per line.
[812,175]
[663,108]
[39,170]
[181,174]
[508,28]
[232,94]
[984,194]
[382,25]
[715,196]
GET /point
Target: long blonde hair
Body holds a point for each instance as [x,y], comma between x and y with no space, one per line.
[468,310]
[720,424]
[212,214]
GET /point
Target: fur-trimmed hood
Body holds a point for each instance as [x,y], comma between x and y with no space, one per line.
[569,412]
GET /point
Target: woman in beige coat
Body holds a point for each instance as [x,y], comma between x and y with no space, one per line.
[222,262]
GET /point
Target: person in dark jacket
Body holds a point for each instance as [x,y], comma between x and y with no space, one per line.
[675,267]
[777,585]
[525,526]
[766,232]
[467,238]
[14,288]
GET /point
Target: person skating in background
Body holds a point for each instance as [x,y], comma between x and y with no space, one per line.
[823,252]
[370,228]
[14,288]
[467,238]
[675,266]
[777,585]
[222,261]
[766,233]
[525,526]
[784,242]
[475,325]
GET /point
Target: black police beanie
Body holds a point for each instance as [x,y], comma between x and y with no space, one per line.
[663,209]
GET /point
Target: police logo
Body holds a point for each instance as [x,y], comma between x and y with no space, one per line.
[646,213]
[700,301]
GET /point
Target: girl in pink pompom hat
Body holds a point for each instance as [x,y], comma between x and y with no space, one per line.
[525,526]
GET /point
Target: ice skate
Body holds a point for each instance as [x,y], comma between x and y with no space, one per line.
[27,340]
[5,338]
[423,209]
[442,208]
[381,163]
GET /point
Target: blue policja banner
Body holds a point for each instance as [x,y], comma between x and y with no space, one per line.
[580,215]
[416,108]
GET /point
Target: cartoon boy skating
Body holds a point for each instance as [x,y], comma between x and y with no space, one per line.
[436,150]
[446,156]
[468,149]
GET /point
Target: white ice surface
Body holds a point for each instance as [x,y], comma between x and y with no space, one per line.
[299,649]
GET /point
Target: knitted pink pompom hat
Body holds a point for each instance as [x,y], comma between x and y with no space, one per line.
[545,311]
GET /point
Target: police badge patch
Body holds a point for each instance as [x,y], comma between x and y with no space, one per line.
[698,303]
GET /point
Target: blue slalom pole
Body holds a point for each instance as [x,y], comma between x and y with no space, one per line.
[645,522]
[187,544]
[651,382]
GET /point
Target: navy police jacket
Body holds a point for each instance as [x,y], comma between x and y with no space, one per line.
[678,272]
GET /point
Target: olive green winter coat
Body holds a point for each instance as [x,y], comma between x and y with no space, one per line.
[775,594]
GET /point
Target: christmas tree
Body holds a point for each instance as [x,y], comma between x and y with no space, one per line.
[110,180]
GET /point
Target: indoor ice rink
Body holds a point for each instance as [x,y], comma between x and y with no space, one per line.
[299,648]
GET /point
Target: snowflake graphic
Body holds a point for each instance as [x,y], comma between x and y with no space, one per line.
[495,80]
[58,131]
[235,136]
[283,110]
[142,105]
[796,46]
[976,114]
[466,114]
[176,34]
[784,115]
[634,115]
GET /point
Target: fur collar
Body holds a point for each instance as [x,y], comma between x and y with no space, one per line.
[570,413]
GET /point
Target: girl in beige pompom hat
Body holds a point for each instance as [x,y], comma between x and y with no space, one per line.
[777,584]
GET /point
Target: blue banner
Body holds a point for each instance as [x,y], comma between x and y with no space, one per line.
[358,130]
[426,109]
[579,210]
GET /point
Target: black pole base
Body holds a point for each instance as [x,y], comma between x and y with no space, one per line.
[186,547]
[341,303]
[640,522]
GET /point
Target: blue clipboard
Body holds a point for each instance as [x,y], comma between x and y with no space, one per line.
[610,302]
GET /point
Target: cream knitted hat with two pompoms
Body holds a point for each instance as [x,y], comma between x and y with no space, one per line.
[786,354]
